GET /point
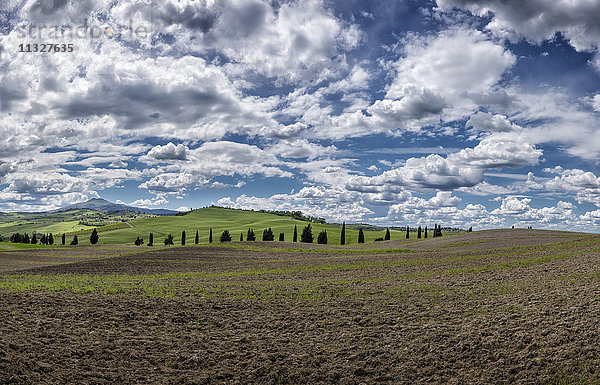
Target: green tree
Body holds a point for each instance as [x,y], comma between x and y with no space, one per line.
[419,232]
[210,236]
[361,236]
[169,240]
[387,236]
[43,240]
[322,238]
[471,229]
[151,240]
[281,237]
[407,232]
[342,235]
[250,236]
[183,238]
[64,239]
[197,239]
[268,235]
[425,231]
[241,237]
[295,238]
[225,236]
[138,242]
[33,238]
[75,241]
[94,237]
[50,239]
[306,236]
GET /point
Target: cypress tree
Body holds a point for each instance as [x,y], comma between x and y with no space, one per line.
[419,232]
[250,236]
[43,240]
[169,240]
[425,231]
[75,241]
[93,237]
[210,236]
[33,239]
[50,239]
[268,235]
[197,239]
[225,236]
[64,239]
[361,236]
[342,236]
[306,236]
[407,232]
[183,238]
[241,237]
[387,236]
[281,237]
[295,239]
[322,238]
[471,228]
[151,240]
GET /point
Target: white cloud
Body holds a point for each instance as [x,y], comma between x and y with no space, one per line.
[494,152]
[485,121]
[169,152]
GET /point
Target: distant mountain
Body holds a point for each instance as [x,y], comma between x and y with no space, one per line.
[103,204]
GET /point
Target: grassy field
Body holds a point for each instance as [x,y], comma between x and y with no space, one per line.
[489,307]
[236,221]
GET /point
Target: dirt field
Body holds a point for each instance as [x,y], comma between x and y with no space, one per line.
[490,307]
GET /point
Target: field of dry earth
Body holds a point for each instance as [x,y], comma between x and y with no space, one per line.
[490,307]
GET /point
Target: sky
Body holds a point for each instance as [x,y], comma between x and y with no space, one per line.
[392,112]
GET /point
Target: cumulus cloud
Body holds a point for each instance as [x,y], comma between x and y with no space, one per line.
[494,152]
[485,121]
[169,152]
[521,210]
[538,20]
[431,172]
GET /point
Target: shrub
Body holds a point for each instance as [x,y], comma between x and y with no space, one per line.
[361,236]
[169,240]
[225,236]
[138,242]
[306,236]
[93,237]
[378,239]
[268,235]
[322,238]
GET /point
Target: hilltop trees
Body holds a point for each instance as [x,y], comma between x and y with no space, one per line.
[151,240]
[183,238]
[94,237]
[342,236]
[250,236]
[169,240]
[295,239]
[268,235]
[75,241]
[387,236]
[306,236]
[361,236]
[322,238]
[225,236]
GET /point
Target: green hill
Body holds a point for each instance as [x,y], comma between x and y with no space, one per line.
[219,219]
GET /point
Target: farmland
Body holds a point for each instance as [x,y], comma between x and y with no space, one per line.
[499,306]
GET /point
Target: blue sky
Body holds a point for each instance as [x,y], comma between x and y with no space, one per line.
[460,112]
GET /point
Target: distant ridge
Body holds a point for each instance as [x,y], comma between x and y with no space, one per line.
[103,204]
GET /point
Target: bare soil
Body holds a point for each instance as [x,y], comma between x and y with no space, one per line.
[490,307]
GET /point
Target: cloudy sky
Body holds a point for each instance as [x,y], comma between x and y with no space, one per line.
[461,112]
